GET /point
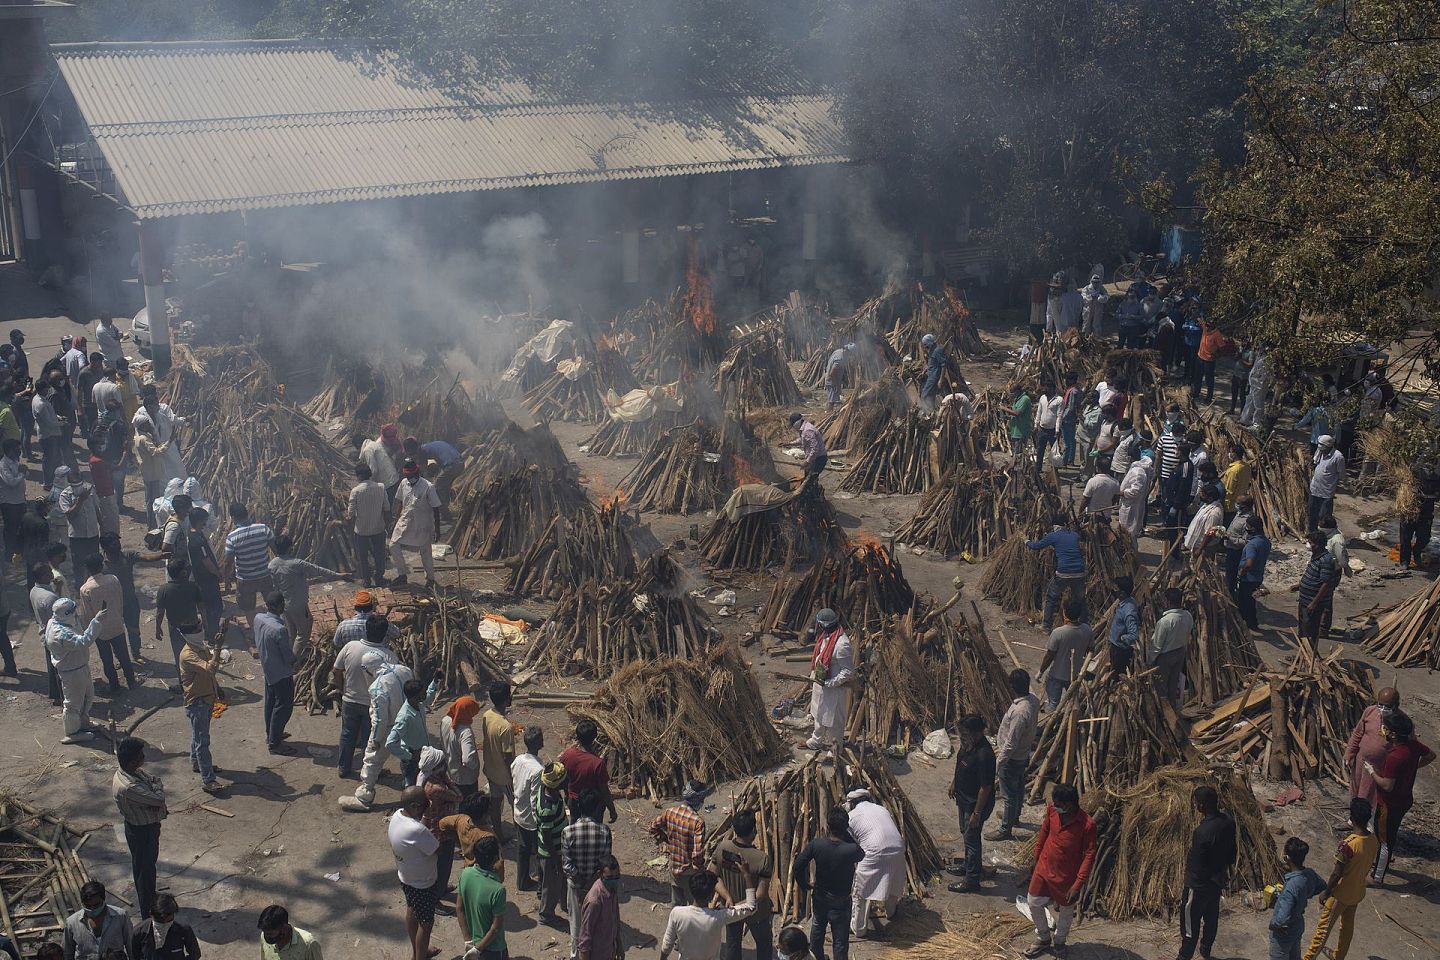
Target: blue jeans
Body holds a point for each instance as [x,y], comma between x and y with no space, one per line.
[832,912]
[1011,774]
[1067,434]
[354,729]
[972,836]
[199,714]
[279,704]
[1288,948]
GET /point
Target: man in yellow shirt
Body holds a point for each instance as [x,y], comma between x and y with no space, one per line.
[497,752]
[1235,479]
[1346,888]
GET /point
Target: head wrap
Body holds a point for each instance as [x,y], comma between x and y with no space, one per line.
[553,776]
[859,793]
[430,759]
[694,792]
[928,340]
[1327,441]
[463,711]
[66,611]
[372,662]
[364,599]
[827,618]
[390,435]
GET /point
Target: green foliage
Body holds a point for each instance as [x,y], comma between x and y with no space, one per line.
[1328,230]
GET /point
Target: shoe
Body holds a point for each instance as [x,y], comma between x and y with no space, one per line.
[285,736]
[136,658]
[996,836]
[211,786]
[79,736]
[964,886]
[283,750]
[431,585]
[9,673]
[1060,950]
[813,744]
[400,582]
[1372,882]
[1038,949]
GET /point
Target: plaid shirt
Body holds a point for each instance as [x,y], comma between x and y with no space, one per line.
[683,832]
[583,845]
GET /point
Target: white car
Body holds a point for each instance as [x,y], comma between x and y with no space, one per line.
[140,332]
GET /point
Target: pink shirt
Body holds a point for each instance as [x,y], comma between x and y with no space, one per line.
[1367,742]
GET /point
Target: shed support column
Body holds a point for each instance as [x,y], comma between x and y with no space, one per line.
[152,275]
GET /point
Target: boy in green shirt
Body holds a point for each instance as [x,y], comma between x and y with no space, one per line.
[1019,413]
[482,904]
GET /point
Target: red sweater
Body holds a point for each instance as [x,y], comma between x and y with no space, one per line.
[1064,854]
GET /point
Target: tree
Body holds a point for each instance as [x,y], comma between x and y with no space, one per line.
[1328,231]
[1057,114]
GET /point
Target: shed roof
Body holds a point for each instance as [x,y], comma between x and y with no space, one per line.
[207,127]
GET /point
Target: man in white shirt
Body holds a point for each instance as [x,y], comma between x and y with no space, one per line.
[697,932]
[1047,422]
[1014,740]
[379,455]
[881,875]
[107,338]
[1325,481]
[1208,518]
[78,502]
[525,772]
[417,526]
[369,508]
[1135,495]
[415,849]
[1101,490]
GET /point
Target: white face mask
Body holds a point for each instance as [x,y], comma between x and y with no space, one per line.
[162,930]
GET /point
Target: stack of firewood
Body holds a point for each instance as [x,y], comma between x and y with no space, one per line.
[1293,722]
[1408,633]
[598,627]
[575,392]
[871,358]
[508,450]
[1282,488]
[630,438]
[900,460]
[859,421]
[791,808]
[444,410]
[513,511]
[799,529]
[584,545]
[974,511]
[40,888]
[864,585]
[1018,576]
[663,722]
[354,392]
[755,375]
[804,326]
[1107,732]
[696,466]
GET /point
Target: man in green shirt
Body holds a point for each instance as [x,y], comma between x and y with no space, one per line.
[482,904]
[1019,412]
[279,940]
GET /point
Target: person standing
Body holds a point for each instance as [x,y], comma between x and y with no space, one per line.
[1209,519]
[480,893]
[497,751]
[140,798]
[696,930]
[973,790]
[415,847]
[49,428]
[151,458]
[42,606]
[1236,480]
[89,375]
[417,525]
[1047,422]
[1065,653]
[97,927]
[408,736]
[1064,855]
[1325,481]
[1237,534]
[1395,785]
[165,427]
[1414,529]
[386,692]
[585,769]
[741,846]
[276,652]
[584,846]
[107,338]
[1301,885]
[201,689]
[1094,297]
[836,372]
[102,599]
[369,508]
[1346,887]
[1069,578]
[354,626]
[1317,588]
[178,601]
[935,363]
[78,502]
[1124,626]
[1367,744]
[525,773]
[1212,345]
[836,857]
[290,576]
[1013,742]
[1207,873]
[247,559]
[379,455]
[204,569]
[1020,421]
[880,876]
[1135,496]
[280,940]
[1102,490]
[69,652]
[550,822]
[457,739]
[812,445]
[1169,646]
[600,917]
[162,937]
[1251,574]
[681,832]
[12,492]
[832,668]
[1070,402]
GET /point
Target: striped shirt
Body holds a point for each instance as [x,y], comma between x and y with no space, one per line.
[249,547]
[1167,455]
[1320,571]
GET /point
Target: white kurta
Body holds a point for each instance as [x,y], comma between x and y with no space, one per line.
[829,700]
[881,875]
[165,423]
[416,502]
[1134,491]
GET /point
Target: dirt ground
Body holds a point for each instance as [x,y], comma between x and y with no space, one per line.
[277,835]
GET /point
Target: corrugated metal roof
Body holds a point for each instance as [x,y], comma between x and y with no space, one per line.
[209,127]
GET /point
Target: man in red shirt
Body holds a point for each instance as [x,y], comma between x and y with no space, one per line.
[1395,785]
[585,769]
[1064,854]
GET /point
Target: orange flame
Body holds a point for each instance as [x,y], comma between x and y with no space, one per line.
[744,472]
[698,304]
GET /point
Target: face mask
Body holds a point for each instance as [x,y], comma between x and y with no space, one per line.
[1384,710]
[95,911]
[162,930]
[274,938]
[1064,811]
[611,883]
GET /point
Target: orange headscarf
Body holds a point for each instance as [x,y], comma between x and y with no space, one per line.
[463,711]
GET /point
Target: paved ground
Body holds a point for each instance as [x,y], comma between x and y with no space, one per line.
[285,839]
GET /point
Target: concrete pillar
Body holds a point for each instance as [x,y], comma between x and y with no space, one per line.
[630,256]
[152,276]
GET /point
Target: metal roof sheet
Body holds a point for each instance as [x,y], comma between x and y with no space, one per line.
[208,127]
